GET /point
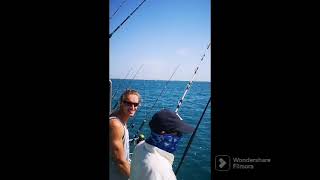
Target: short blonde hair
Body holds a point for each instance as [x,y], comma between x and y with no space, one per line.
[127,92]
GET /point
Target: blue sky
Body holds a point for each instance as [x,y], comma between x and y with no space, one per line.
[160,35]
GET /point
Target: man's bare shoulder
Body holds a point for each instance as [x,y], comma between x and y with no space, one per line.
[114,122]
[116,129]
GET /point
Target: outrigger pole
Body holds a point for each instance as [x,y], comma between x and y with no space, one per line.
[121,83]
[110,35]
[135,75]
[117,9]
[129,84]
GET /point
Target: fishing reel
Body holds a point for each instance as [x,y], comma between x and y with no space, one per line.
[138,139]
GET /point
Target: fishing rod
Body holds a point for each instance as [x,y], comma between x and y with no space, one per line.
[162,91]
[121,84]
[115,106]
[110,35]
[126,83]
[165,87]
[135,75]
[117,9]
[191,138]
[179,102]
[189,84]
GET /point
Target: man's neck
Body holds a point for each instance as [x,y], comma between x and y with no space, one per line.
[123,117]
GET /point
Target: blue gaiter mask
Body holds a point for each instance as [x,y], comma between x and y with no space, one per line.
[166,142]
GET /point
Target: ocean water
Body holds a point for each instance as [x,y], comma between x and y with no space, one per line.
[197,163]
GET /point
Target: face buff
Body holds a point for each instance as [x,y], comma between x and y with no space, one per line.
[166,142]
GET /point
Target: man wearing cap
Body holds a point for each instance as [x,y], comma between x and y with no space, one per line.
[152,159]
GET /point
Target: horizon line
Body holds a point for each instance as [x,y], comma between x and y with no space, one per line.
[161,80]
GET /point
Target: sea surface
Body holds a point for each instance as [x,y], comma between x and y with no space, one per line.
[197,163]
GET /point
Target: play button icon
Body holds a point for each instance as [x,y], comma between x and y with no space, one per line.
[222,163]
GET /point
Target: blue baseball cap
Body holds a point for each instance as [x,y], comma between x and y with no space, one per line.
[166,120]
